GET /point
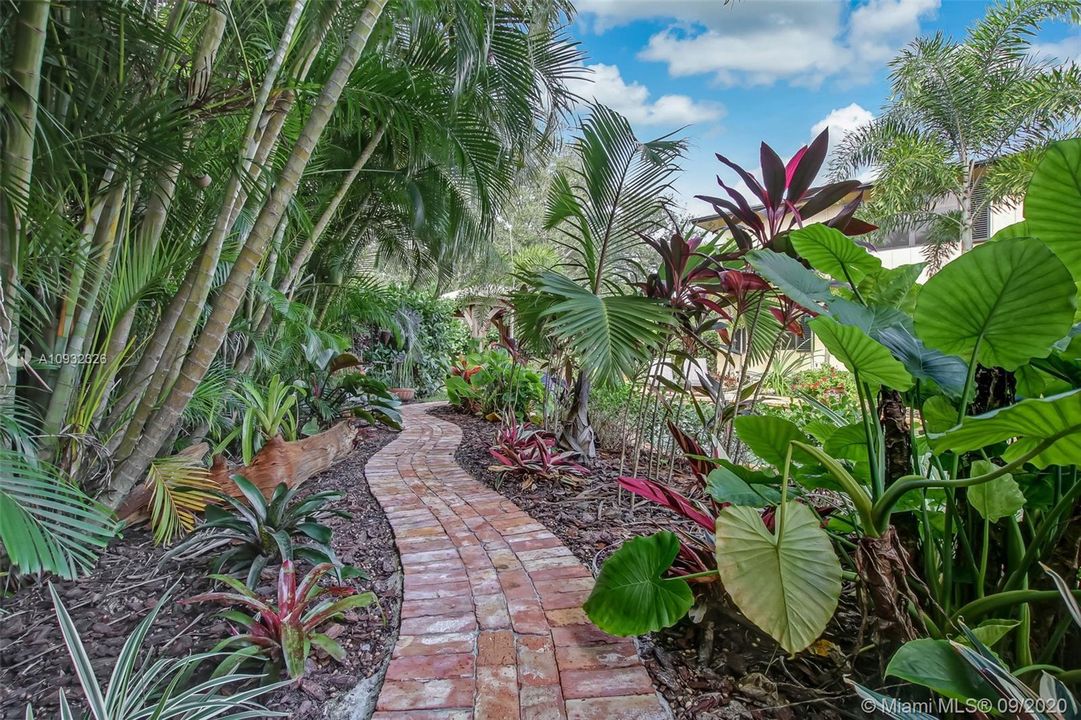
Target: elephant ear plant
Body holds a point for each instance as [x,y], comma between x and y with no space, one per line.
[969,389]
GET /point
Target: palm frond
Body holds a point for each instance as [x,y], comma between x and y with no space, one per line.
[179,488]
[47,525]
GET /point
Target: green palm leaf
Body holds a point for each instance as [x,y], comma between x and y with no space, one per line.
[47,525]
[612,334]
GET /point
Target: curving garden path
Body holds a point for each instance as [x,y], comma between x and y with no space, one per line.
[492,626]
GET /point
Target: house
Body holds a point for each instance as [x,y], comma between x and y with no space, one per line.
[899,248]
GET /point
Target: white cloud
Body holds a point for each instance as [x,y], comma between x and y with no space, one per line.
[840,122]
[761,42]
[606,85]
[1066,50]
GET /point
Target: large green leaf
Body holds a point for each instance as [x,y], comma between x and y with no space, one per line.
[725,486]
[1053,203]
[861,354]
[786,583]
[788,275]
[872,319]
[47,524]
[1009,300]
[631,597]
[895,287]
[1031,422]
[768,436]
[998,498]
[848,443]
[923,363]
[934,664]
[830,251]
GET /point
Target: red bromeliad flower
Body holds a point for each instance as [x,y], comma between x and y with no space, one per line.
[531,450]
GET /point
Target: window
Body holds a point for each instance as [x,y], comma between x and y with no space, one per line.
[981,220]
[799,343]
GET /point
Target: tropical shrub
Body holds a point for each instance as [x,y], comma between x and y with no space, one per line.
[283,631]
[418,348]
[332,386]
[156,688]
[491,383]
[968,429]
[259,531]
[966,670]
[268,412]
[531,451]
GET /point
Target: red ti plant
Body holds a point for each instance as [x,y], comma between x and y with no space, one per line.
[530,450]
[784,199]
[285,631]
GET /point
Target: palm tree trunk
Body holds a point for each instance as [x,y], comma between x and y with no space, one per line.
[15,175]
[163,188]
[331,210]
[161,359]
[228,300]
[576,432]
[70,372]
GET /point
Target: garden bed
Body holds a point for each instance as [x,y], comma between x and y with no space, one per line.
[747,676]
[108,604]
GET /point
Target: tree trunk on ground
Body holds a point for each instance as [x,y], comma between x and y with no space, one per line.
[209,342]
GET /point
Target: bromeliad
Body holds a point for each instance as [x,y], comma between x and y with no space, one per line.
[284,632]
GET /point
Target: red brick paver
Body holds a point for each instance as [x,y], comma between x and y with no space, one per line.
[492,627]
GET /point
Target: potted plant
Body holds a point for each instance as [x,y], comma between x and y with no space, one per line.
[403,378]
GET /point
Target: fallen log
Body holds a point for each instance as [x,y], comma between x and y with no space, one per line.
[276,462]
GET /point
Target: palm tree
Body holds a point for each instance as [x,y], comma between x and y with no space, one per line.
[966,121]
[603,208]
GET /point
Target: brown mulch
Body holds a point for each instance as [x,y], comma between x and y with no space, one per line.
[127,582]
[744,675]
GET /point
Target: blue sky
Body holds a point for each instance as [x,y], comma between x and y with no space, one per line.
[754,70]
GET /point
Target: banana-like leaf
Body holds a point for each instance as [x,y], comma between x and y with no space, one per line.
[631,596]
[1009,301]
[861,354]
[1030,422]
[786,582]
[1053,203]
[833,253]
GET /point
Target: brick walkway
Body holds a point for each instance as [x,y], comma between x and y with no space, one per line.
[492,626]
